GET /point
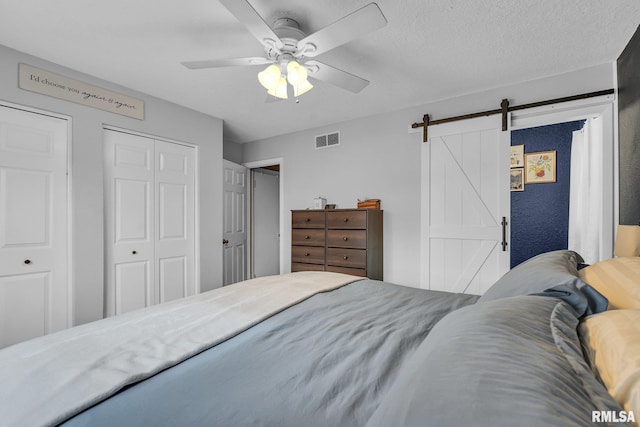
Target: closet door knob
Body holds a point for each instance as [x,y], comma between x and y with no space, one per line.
[27,261]
[134,252]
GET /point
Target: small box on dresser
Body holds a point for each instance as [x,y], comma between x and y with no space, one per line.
[340,240]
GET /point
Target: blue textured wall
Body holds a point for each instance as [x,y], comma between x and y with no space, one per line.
[540,213]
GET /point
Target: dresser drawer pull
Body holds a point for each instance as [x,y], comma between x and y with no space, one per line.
[307,220]
[345,238]
[307,254]
[307,237]
[345,257]
[346,220]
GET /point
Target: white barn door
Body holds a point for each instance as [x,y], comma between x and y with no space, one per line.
[234,223]
[149,221]
[465,201]
[34,282]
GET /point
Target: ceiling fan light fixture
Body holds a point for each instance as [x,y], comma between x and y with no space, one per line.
[296,73]
[270,77]
[279,89]
[302,88]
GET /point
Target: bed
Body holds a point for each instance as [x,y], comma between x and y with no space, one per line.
[328,349]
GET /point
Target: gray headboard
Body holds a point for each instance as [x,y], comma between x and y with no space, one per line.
[629,130]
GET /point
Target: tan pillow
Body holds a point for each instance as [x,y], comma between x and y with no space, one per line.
[618,279]
[613,338]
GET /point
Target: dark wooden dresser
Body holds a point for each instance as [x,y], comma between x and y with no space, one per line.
[341,240]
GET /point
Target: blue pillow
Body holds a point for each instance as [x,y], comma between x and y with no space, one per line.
[552,274]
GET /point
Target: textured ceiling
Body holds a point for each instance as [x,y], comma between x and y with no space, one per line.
[429,50]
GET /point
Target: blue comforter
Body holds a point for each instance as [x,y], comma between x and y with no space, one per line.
[327,361]
[511,362]
[375,354]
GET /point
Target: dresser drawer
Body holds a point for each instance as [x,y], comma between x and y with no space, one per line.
[307,219]
[299,266]
[356,258]
[347,270]
[356,239]
[307,237]
[347,219]
[307,254]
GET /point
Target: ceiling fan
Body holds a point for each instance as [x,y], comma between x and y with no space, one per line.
[287,49]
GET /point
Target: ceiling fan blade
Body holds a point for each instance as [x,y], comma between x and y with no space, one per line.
[247,15]
[233,62]
[336,77]
[356,24]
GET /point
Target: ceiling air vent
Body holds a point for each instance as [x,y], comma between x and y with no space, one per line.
[328,140]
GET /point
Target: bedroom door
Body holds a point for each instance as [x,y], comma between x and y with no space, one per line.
[465,205]
[149,221]
[234,223]
[34,282]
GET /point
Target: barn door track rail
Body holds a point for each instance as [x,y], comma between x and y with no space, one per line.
[503,110]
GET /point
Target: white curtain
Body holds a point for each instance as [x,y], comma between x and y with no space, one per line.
[585,200]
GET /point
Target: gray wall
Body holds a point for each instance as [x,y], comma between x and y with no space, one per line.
[265,202]
[232,151]
[162,119]
[378,158]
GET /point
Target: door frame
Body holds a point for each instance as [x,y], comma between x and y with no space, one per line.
[254,165]
[579,110]
[255,219]
[70,277]
[196,165]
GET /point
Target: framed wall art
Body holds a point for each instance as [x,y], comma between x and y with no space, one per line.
[516,156]
[540,167]
[517,179]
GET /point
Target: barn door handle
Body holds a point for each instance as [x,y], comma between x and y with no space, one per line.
[504,233]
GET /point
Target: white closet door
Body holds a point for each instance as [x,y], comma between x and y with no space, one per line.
[465,197]
[34,284]
[129,217]
[149,221]
[174,219]
[234,223]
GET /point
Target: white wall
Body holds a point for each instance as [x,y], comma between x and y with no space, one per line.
[378,158]
[162,119]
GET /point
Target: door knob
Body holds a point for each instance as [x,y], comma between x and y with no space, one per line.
[27,261]
[225,241]
[134,252]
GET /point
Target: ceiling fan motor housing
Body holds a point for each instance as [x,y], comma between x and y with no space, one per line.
[289,33]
